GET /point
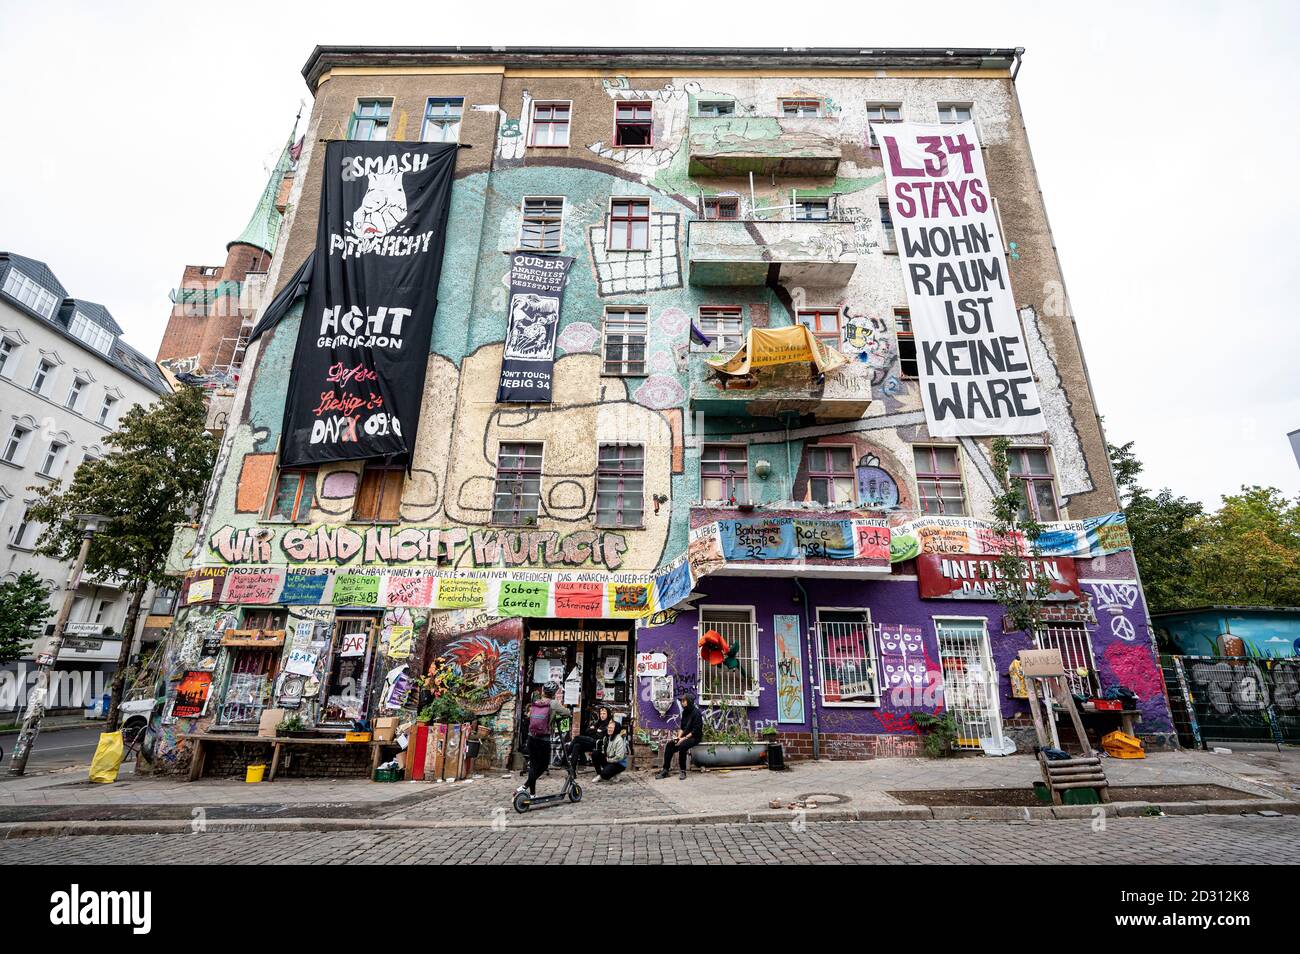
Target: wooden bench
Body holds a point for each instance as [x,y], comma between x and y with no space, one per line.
[277,744]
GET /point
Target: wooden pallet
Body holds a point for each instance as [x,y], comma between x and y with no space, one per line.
[1063,775]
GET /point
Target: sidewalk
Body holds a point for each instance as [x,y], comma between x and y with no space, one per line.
[64,803]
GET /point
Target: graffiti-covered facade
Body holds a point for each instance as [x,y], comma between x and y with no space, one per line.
[735,440]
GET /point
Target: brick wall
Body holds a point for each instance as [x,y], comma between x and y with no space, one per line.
[231,760]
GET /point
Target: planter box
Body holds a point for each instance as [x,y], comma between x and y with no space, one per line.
[725,754]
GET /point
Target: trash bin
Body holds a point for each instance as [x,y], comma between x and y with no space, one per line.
[254,774]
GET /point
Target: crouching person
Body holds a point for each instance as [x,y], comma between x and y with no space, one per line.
[611,753]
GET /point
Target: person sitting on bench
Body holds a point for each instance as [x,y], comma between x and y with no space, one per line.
[610,756]
[689,735]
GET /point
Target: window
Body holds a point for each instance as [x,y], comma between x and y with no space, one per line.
[1032,466]
[98,337]
[542,224]
[1075,644]
[634,124]
[629,225]
[550,125]
[75,392]
[716,107]
[14,446]
[801,108]
[295,491]
[370,120]
[347,677]
[824,323]
[724,325]
[7,349]
[831,478]
[888,238]
[938,481]
[847,650]
[164,601]
[23,531]
[53,462]
[882,113]
[519,485]
[724,473]
[812,210]
[907,364]
[620,475]
[625,332]
[954,112]
[720,685]
[42,375]
[442,119]
[970,680]
[34,296]
[722,207]
[102,612]
[248,689]
[379,498]
[106,409]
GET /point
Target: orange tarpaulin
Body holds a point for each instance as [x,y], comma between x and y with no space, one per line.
[768,346]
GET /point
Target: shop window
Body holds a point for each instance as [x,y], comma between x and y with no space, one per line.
[939,487]
[625,331]
[888,237]
[379,497]
[831,478]
[620,479]
[347,680]
[518,492]
[442,119]
[722,207]
[882,113]
[550,124]
[1075,644]
[907,362]
[716,107]
[801,108]
[629,225]
[1032,467]
[370,120]
[725,685]
[724,325]
[955,112]
[294,494]
[542,227]
[812,210]
[724,473]
[634,123]
[847,649]
[824,323]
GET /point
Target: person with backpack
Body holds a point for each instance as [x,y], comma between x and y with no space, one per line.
[541,713]
[610,756]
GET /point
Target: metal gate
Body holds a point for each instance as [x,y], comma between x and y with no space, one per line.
[969,680]
[1234,698]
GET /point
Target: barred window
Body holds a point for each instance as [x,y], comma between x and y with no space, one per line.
[847,649]
[721,684]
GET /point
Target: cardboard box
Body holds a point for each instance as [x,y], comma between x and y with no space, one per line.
[385,729]
[269,720]
[401,761]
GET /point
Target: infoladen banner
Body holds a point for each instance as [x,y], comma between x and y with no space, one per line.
[974,368]
[532,320]
[363,345]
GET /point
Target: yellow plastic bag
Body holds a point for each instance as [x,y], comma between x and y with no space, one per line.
[108,758]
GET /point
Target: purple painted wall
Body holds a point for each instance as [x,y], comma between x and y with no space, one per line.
[1121,641]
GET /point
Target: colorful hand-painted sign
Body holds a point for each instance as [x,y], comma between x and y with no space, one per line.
[789,669]
[959,576]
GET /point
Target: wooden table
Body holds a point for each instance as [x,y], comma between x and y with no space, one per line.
[277,744]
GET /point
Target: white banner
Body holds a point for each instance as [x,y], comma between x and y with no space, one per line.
[974,368]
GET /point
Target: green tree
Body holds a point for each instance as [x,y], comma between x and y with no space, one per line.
[152,479]
[1020,591]
[24,610]
[1247,553]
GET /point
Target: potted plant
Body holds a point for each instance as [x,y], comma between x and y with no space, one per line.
[728,741]
[938,731]
[293,727]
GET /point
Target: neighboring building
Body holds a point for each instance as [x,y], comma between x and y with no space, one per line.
[810,520]
[66,379]
[1260,632]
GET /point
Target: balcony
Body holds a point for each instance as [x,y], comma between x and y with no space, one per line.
[744,251]
[781,390]
[764,145]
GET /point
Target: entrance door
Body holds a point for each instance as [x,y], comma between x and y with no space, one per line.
[970,683]
[347,680]
[599,650]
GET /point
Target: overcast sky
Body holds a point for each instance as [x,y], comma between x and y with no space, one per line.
[139,135]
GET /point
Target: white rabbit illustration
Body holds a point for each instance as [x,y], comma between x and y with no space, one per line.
[383,207]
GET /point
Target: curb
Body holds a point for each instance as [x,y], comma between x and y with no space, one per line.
[54,829]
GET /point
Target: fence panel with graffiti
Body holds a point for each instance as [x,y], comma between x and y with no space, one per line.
[1234,698]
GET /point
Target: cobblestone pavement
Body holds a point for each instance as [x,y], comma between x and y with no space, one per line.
[1203,839]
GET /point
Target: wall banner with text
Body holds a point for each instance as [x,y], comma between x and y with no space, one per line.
[974,367]
[532,322]
[363,344]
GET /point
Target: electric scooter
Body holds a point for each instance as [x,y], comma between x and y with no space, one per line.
[571,791]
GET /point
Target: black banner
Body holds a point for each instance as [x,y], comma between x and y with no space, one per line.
[358,369]
[533,319]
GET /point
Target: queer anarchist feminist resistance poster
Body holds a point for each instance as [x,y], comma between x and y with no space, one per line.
[974,368]
[532,320]
[363,345]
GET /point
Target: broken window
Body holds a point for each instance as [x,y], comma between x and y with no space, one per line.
[907,366]
[634,124]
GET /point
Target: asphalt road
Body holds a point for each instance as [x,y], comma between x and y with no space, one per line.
[55,749]
[1203,839]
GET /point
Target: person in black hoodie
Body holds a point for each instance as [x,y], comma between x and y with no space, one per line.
[689,734]
[583,745]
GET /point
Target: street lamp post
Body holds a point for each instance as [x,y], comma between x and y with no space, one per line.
[45,663]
